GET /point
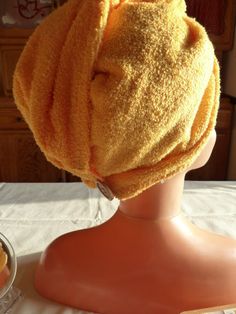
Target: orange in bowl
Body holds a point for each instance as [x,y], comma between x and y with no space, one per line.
[8,265]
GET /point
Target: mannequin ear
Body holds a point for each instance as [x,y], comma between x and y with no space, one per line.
[205,155]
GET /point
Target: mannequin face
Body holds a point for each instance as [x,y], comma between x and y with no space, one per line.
[206,153]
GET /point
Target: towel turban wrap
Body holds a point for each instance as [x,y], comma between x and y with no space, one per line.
[124,92]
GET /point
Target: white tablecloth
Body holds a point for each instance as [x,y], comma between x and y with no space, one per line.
[33,214]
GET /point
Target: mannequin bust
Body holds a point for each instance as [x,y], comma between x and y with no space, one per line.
[147,258]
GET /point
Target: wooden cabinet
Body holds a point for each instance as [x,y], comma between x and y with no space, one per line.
[22,161]
[20,158]
[218,17]
[9,57]
[217,166]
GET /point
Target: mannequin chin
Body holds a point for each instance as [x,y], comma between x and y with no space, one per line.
[203,158]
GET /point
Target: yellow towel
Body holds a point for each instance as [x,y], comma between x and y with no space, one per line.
[125,92]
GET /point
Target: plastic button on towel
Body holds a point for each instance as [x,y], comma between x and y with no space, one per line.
[104,189]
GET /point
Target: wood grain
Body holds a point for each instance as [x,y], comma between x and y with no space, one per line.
[209,13]
[218,17]
[22,161]
[9,56]
[11,119]
[217,166]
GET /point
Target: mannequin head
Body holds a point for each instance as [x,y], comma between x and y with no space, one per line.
[164,199]
[206,152]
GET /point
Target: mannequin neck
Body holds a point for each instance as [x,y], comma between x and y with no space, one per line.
[162,200]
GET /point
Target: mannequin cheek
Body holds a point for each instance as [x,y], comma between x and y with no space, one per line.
[206,152]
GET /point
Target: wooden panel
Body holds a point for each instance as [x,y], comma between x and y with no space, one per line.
[218,16]
[224,119]
[11,119]
[22,161]
[9,58]
[14,36]
[201,9]
[217,166]
[25,15]
[7,102]
[71,178]
[219,56]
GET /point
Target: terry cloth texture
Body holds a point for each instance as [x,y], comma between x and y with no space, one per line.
[126,92]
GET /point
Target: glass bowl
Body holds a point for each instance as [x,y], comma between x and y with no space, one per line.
[11,263]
